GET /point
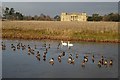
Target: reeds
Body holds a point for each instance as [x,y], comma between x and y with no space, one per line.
[88,31]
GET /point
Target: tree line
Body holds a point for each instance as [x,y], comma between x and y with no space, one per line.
[11,14]
[107,17]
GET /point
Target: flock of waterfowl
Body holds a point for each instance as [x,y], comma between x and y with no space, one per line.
[70,60]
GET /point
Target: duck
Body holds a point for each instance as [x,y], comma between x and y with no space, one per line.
[63,43]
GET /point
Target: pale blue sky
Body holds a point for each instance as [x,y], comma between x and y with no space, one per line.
[53,8]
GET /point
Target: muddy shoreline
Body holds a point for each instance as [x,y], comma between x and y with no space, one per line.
[59,39]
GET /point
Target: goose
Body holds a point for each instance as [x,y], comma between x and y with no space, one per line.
[93,59]
[63,43]
[72,61]
[49,46]
[69,59]
[46,49]
[59,58]
[3,46]
[44,59]
[12,45]
[51,61]
[44,55]
[76,55]
[105,62]
[38,54]
[35,46]
[83,64]
[14,48]
[21,44]
[70,55]
[44,45]
[32,51]
[69,45]
[102,60]
[111,62]
[18,46]
[86,59]
[58,46]
[99,64]
[62,54]
[38,58]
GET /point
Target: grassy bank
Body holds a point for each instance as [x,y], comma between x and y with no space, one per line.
[77,31]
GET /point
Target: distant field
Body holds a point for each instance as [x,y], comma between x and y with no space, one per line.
[87,31]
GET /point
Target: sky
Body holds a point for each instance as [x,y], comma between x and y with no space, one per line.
[59,0]
[55,8]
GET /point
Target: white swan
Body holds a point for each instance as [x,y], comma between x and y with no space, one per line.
[69,45]
[63,43]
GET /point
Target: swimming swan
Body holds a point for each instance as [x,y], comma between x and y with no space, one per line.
[63,43]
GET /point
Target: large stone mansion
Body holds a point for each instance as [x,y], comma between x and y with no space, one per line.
[73,17]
